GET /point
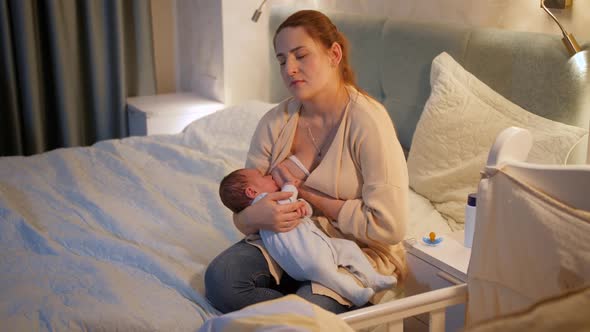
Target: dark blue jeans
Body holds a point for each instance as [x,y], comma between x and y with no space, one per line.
[240,276]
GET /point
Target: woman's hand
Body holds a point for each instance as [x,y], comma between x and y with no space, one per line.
[269,214]
[328,205]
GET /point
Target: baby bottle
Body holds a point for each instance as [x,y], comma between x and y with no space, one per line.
[470,219]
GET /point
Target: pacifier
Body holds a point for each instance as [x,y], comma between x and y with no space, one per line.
[432,239]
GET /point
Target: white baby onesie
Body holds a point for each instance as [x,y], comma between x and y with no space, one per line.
[307,253]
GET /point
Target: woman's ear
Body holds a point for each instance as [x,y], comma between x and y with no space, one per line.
[335,54]
[250,192]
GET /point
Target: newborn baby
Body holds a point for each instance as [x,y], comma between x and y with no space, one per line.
[306,252]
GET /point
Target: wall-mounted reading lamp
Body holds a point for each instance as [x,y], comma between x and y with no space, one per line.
[258,12]
[578,63]
[568,39]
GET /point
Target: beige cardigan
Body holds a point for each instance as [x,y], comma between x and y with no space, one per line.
[364,165]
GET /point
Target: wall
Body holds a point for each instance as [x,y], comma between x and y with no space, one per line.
[199,48]
[246,54]
[163,29]
[519,15]
[223,55]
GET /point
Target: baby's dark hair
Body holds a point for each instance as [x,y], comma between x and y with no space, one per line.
[232,191]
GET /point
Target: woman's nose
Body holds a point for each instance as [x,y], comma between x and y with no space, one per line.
[291,67]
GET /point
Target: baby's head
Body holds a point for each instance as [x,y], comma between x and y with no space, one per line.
[240,187]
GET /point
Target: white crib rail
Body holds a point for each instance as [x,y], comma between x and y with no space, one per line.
[393,313]
[510,148]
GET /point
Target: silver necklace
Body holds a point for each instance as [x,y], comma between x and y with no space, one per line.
[313,141]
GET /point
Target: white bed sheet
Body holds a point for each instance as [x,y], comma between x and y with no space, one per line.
[118,235]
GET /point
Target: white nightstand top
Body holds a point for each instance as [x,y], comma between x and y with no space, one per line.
[173,104]
[450,255]
[167,113]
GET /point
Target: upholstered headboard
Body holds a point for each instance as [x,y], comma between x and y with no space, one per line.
[392,61]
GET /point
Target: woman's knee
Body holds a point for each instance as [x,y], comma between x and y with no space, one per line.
[234,274]
[232,265]
[322,301]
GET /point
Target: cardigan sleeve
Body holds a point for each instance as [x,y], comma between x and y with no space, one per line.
[380,214]
[260,152]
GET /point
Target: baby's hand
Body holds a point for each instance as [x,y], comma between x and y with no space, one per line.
[302,211]
[306,210]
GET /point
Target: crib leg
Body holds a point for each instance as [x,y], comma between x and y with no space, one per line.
[437,320]
[397,326]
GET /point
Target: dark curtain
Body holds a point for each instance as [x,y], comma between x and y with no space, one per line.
[66,67]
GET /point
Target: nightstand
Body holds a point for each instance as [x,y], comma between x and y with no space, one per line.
[437,267]
[166,113]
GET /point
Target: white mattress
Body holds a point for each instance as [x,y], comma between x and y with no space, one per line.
[118,235]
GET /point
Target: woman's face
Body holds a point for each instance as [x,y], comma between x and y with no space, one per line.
[307,67]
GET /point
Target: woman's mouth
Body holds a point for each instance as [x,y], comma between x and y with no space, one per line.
[296,82]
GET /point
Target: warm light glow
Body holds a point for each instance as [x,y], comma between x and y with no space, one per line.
[205,108]
[192,113]
[579,65]
[580,62]
[171,113]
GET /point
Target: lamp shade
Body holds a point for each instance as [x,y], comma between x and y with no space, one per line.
[579,66]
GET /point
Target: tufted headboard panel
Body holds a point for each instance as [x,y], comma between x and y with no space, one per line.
[392,61]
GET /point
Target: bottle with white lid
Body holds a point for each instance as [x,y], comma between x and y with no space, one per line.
[470,219]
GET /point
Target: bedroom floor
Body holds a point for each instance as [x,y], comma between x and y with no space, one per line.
[413,324]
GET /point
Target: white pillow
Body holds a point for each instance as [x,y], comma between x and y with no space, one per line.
[226,134]
[460,122]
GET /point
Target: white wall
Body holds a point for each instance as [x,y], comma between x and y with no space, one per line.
[163,27]
[228,58]
[520,15]
[199,48]
[246,54]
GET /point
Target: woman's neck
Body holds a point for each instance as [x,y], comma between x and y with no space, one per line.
[328,104]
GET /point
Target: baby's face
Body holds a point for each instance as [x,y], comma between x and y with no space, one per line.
[261,183]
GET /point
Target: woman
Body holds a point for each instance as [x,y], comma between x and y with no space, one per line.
[357,176]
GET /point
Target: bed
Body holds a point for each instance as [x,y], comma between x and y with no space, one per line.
[117,236]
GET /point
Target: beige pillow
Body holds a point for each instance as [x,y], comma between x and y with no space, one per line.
[461,120]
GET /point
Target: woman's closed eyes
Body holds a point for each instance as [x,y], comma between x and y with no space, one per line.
[300,56]
[283,60]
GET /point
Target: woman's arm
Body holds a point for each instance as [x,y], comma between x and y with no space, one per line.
[381,213]
[329,206]
[268,214]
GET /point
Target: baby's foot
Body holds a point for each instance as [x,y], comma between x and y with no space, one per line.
[363,296]
[381,282]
